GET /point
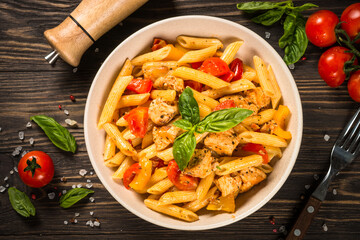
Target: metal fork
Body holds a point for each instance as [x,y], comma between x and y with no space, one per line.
[344,151]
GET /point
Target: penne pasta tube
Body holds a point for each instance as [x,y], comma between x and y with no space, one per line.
[177,197]
[239,164]
[133,100]
[119,173]
[171,210]
[174,54]
[147,140]
[154,56]
[159,174]
[167,95]
[181,48]
[148,152]
[204,110]
[127,134]
[187,73]
[275,99]
[276,151]
[198,43]
[109,148]
[124,146]
[249,73]
[153,197]
[234,87]
[263,76]
[262,138]
[122,122]
[266,168]
[142,178]
[230,51]
[116,160]
[204,186]
[196,205]
[126,69]
[160,187]
[202,99]
[170,65]
[113,98]
[261,118]
[197,55]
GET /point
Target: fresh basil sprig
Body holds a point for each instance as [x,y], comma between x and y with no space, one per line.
[58,135]
[21,202]
[294,41]
[218,121]
[73,196]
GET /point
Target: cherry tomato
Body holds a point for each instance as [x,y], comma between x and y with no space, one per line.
[138,119]
[225,104]
[351,20]
[158,43]
[194,85]
[320,27]
[258,149]
[36,169]
[354,86]
[196,65]
[331,65]
[140,85]
[215,66]
[228,77]
[180,180]
[237,67]
[130,174]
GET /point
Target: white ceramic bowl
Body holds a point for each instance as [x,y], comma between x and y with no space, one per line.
[202,26]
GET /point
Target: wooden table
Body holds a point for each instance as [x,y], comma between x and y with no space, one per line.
[29,86]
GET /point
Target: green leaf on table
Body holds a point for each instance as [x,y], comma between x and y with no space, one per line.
[289,29]
[222,120]
[306,6]
[73,196]
[258,5]
[58,135]
[21,202]
[188,106]
[270,17]
[183,149]
[183,124]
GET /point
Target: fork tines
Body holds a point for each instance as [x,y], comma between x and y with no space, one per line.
[349,137]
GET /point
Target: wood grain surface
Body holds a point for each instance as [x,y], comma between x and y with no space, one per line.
[29,86]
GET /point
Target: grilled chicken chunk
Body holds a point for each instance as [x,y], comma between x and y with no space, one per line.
[164,136]
[161,112]
[228,185]
[201,164]
[169,82]
[250,177]
[223,143]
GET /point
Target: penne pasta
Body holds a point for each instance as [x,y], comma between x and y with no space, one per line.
[116,160]
[127,68]
[154,56]
[204,186]
[204,110]
[249,73]
[239,164]
[122,122]
[196,205]
[109,148]
[262,138]
[197,55]
[261,118]
[160,187]
[198,43]
[275,99]
[124,146]
[147,140]
[167,95]
[230,51]
[118,175]
[202,99]
[133,100]
[177,197]
[234,87]
[262,73]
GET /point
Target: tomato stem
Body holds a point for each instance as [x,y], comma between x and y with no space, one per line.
[344,39]
[32,166]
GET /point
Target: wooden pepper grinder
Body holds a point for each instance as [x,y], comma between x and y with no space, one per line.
[86,24]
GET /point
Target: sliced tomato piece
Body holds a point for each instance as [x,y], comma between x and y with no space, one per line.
[215,66]
[196,65]
[237,67]
[258,149]
[228,77]
[181,181]
[138,119]
[158,43]
[225,104]
[194,85]
[130,174]
[140,85]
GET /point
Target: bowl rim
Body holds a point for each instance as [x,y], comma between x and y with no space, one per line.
[261,203]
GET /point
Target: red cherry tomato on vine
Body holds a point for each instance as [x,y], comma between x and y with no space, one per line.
[320,27]
[331,65]
[180,180]
[354,86]
[140,85]
[130,174]
[225,105]
[138,119]
[351,20]
[215,66]
[237,67]
[36,169]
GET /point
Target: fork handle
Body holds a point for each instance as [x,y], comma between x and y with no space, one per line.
[304,220]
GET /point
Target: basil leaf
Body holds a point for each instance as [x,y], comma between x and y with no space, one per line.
[21,202]
[270,17]
[296,49]
[183,124]
[222,120]
[183,149]
[306,6]
[289,29]
[73,196]
[57,134]
[258,5]
[188,107]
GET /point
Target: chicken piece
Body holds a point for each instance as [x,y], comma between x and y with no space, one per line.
[223,143]
[169,82]
[268,127]
[257,97]
[161,112]
[164,136]
[228,185]
[201,164]
[241,102]
[250,177]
